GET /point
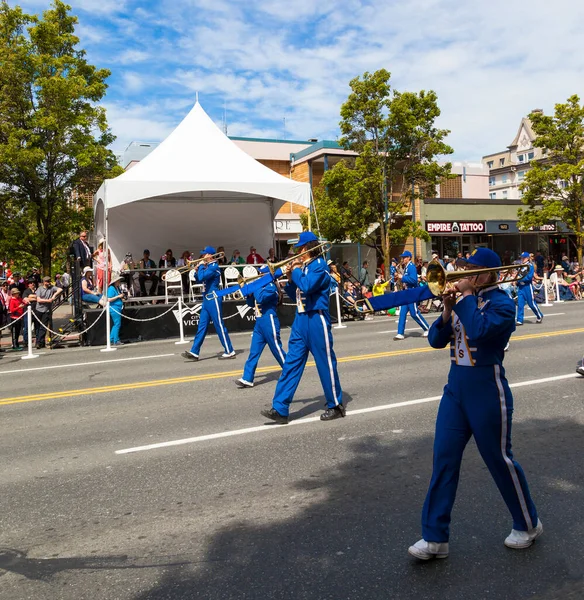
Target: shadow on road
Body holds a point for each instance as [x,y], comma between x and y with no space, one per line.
[353,543]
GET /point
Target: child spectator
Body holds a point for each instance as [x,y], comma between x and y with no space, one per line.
[15,311]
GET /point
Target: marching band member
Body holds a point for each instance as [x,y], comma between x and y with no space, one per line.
[409,279]
[476,401]
[209,274]
[308,285]
[266,331]
[525,293]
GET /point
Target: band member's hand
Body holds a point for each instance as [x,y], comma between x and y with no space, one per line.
[465,287]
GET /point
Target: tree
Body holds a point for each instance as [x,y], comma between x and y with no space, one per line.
[53,134]
[554,186]
[397,143]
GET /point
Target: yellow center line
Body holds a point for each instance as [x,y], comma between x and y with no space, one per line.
[225,374]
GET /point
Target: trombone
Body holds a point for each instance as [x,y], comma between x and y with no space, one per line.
[439,279]
[274,267]
[193,264]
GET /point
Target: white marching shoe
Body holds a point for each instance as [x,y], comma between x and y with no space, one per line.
[399,336]
[523,539]
[425,334]
[426,550]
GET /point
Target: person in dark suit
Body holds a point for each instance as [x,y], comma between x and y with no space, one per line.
[82,251]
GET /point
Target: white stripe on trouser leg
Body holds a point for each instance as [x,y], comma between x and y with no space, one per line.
[538,312]
[275,334]
[417,314]
[329,357]
[219,325]
[508,461]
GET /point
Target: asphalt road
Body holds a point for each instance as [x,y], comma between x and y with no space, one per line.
[240,509]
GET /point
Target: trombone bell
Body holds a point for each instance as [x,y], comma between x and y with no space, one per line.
[438,278]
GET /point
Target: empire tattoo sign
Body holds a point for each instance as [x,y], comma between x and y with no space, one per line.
[456,227]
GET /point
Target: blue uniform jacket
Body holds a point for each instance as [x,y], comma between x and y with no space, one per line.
[410,276]
[210,276]
[527,278]
[313,282]
[478,330]
[266,297]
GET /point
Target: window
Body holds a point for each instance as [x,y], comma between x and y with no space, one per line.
[504,193]
[490,164]
[521,157]
[492,181]
[504,178]
[520,175]
[501,162]
[493,195]
[530,155]
[520,193]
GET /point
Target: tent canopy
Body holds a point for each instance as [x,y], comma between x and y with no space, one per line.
[196,188]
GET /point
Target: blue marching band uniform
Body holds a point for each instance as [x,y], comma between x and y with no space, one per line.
[525,294]
[476,402]
[409,281]
[211,312]
[265,332]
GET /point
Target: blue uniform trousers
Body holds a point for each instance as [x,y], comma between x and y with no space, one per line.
[525,295]
[418,318]
[116,325]
[311,332]
[266,331]
[476,401]
[211,312]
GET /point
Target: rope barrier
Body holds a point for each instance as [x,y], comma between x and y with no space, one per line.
[12,322]
[60,334]
[172,307]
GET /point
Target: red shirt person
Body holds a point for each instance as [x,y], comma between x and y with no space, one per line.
[254,258]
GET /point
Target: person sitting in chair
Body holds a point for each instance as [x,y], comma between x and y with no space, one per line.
[148,263]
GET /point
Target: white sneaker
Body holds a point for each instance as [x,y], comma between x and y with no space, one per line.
[425,334]
[399,336]
[426,550]
[580,370]
[242,383]
[506,347]
[368,318]
[518,323]
[523,539]
[228,355]
[539,320]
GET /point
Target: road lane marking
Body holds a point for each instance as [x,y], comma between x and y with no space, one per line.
[95,362]
[306,420]
[225,374]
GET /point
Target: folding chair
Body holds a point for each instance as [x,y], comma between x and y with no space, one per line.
[172,281]
[249,271]
[231,275]
[195,289]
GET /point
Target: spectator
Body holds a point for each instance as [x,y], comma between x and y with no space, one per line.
[436,257]
[82,251]
[29,298]
[65,283]
[4,302]
[15,311]
[449,263]
[254,258]
[466,255]
[147,263]
[364,275]
[565,264]
[35,275]
[272,258]
[563,285]
[88,291]
[223,260]
[99,256]
[46,295]
[539,263]
[380,286]
[18,283]
[167,260]
[236,258]
[346,273]
[335,275]
[184,259]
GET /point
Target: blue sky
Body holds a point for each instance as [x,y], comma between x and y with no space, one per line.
[281,69]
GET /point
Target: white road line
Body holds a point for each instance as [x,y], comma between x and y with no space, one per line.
[95,362]
[427,318]
[359,411]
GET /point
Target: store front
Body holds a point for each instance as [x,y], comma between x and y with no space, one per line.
[449,238]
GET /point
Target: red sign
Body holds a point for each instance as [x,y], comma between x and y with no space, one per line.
[456,227]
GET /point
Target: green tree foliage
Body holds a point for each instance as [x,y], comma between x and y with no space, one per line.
[53,134]
[397,142]
[554,186]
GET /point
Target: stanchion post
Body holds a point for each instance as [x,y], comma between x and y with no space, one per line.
[180,323]
[339,324]
[29,328]
[558,290]
[108,328]
[546,291]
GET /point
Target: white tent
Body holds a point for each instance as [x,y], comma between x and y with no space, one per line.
[197,188]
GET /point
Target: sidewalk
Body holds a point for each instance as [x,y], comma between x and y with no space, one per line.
[61,317]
